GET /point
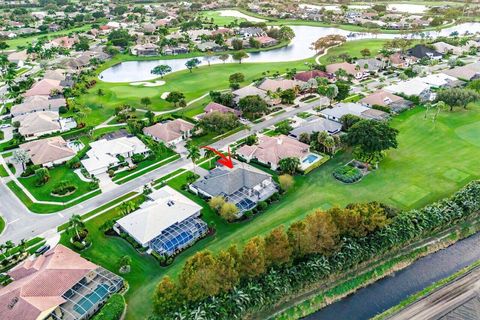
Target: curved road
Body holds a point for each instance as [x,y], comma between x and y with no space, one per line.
[24,224]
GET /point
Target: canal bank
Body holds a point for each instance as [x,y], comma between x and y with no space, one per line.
[390,291]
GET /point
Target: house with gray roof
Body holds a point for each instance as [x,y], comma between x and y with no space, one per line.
[242,185]
[316,124]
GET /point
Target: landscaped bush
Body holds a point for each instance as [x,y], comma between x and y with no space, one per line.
[137,158]
[113,309]
[347,174]
[64,188]
[78,245]
[30,171]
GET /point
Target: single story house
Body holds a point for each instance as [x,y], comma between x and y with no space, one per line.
[65,42]
[313,74]
[420,51]
[358,72]
[105,153]
[48,152]
[36,104]
[316,124]
[270,150]
[57,74]
[242,185]
[213,106]
[251,32]
[371,65]
[18,57]
[174,50]
[209,46]
[399,60]
[171,132]
[44,87]
[167,223]
[148,49]
[440,80]
[38,123]
[467,72]
[266,41]
[386,99]
[411,87]
[446,48]
[254,91]
[339,110]
[55,286]
[275,85]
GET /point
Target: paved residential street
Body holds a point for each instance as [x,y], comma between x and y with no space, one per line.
[23,224]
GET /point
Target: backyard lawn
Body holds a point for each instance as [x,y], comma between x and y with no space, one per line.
[57,175]
[218,19]
[419,172]
[23,41]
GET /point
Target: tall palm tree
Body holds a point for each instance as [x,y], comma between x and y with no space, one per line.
[193,154]
[75,222]
[211,155]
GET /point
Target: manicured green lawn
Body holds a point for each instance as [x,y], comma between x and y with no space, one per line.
[419,172]
[3,172]
[193,85]
[23,41]
[218,19]
[353,48]
[57,175]
[2,224]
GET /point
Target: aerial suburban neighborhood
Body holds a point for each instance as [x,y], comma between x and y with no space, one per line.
[239,159]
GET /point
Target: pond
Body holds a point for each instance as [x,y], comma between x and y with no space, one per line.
[298,49]
[394,7]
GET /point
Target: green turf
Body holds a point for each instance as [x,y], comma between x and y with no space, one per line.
[409,195]
[23,41]
[2,224]
[470,133]
[455,175]
[57,175]
[218,19]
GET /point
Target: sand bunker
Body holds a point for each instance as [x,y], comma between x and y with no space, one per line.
[148,84]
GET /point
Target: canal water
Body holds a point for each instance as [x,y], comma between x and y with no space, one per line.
[298,49]
[390,291]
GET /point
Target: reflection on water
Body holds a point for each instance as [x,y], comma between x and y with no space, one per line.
[298,49]
[390,291]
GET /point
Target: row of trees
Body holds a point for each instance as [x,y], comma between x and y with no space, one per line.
[206,274]
[233,284]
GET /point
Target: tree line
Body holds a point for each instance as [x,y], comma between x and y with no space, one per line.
[233,284]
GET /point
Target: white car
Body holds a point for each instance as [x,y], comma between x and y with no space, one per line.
[4,126]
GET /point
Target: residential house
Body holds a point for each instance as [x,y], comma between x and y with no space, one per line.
[420,51]
[371,65]
[57,74]
[339,110]
[358,72]
[276,85]
[48,152]
[242,185]
[467,72]
[37,103]
[196,35]
[254,91]
[105,153]
[171,132]
[266,41]
[148,49]
[401,61]
[174,50]
[251,32]
[412,87]
[18,57]
[65,42]
[441,80]
[386,99]
[313,74]
[270,150]
[59,284]
[44,87]
[217,107]
[37,124]
[209,46]
[316,124]
[168,223]
[446,48]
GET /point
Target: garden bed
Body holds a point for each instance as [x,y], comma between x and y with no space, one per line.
[351,172]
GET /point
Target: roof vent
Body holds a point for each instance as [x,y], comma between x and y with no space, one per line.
[13,303]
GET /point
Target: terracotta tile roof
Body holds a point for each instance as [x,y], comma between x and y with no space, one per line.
[43,88]
[38,285]
[169,131]
[278,84]
[381,98]
[273,149]
[48,150]
[213,106]
[312,74]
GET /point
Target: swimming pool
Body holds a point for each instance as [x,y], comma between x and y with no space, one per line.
[311,158]
[86,303]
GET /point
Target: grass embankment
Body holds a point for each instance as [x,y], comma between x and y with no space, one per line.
[406,179]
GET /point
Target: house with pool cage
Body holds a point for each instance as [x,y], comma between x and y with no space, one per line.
[59,284]
[243,185]
[166,223]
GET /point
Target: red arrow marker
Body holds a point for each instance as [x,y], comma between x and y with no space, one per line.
[226,161]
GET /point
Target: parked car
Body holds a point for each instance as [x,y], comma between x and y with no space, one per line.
[3,126]
[42,249]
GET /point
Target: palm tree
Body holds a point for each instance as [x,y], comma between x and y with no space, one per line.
[193,154]
[209,154]
[75,222]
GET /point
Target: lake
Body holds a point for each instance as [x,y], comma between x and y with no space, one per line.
[298,49]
